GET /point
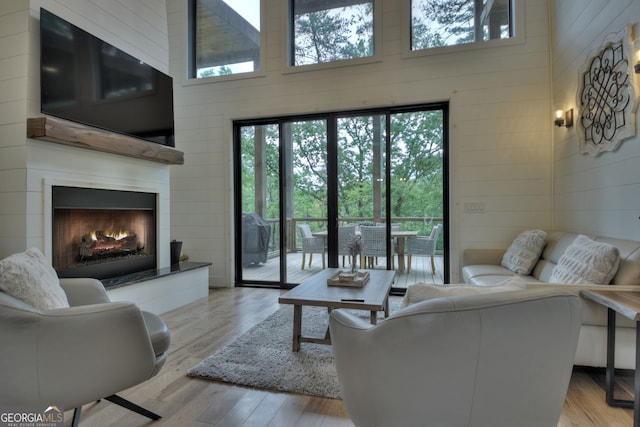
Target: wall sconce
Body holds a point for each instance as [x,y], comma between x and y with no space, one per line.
[563,118]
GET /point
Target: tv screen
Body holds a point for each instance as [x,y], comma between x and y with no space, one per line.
[86,80]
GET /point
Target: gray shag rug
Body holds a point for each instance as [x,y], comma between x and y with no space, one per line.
[263,358]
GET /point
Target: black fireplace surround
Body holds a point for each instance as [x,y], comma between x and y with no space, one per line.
[102,233]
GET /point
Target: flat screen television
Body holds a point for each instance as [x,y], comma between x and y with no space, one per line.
[86,80]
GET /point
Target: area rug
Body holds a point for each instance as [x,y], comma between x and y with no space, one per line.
[263,357]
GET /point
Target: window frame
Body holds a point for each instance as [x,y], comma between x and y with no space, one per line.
[288,47]
[517,6]
[191,50]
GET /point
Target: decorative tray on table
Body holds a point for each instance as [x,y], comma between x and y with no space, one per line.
[345,278]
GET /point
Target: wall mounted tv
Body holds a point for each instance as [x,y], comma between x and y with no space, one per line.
[86,80]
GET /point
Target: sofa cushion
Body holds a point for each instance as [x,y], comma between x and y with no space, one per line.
[587,261]
[470,272]
[28,277]
[524,251]
[496,280]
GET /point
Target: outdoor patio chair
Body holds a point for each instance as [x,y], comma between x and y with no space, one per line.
[423,246]
[311,245]
[345,234]
[374,242]
[395,226]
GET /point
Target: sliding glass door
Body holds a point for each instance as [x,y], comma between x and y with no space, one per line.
[258,193]
[419,194]
[305,186]
[361,187]
[305,201]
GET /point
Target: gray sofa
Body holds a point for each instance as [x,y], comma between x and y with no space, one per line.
[482,267]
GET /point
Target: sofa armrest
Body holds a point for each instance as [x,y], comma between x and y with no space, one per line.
[84,291]
[482,256]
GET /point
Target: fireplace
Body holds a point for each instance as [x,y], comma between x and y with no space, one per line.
[102,233]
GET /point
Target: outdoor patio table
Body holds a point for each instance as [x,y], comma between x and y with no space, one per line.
[400,235]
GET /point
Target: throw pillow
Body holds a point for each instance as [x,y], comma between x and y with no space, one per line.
[28,277]
[524,251]
[586,261]
[424,291]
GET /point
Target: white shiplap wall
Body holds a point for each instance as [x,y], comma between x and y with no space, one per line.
[500,125]
[595,195]
[28,167]
[14,37]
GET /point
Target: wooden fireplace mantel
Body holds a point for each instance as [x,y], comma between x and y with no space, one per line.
[77,135]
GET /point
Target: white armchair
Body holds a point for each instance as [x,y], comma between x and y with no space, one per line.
[79,354]
[490,360]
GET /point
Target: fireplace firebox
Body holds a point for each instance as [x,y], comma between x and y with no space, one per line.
[102,233]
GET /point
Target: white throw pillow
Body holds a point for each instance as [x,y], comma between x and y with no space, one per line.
[524,251]
[586,261]
[28,277]
[424,291]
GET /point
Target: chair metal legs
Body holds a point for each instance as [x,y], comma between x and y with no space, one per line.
[120,401]
[76,417]
[114,398]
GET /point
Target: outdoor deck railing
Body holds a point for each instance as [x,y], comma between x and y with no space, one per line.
[421,224]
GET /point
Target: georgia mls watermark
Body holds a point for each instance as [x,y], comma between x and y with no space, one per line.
[31,416]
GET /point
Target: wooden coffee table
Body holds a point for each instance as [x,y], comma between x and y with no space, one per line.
[314,291]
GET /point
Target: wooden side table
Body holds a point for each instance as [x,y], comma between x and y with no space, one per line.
[627,303]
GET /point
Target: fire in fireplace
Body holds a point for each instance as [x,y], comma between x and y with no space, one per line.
[107,244]
[102,233]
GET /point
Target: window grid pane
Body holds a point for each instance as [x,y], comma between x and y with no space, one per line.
[436,23]
[226,37]
[331,30]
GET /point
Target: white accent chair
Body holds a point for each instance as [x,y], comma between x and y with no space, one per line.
[80,354]
[423,246]
[311,245]
[487,360]
[374,242]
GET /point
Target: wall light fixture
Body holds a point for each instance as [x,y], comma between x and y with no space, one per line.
[636,55]
[562,117]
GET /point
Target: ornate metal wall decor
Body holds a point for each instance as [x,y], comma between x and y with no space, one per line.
[606,98]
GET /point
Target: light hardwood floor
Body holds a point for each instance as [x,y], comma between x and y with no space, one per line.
[206,325]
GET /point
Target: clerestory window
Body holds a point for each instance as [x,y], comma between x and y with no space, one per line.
[224,37]
[331,30]
[436,23]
